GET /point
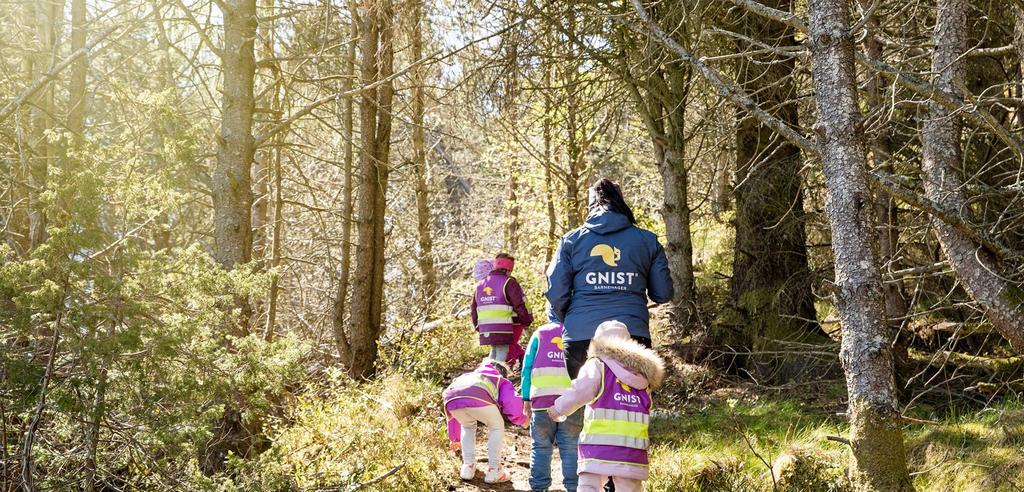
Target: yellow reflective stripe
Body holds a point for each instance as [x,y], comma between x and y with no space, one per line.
[551,381]
[489,386]
[475,379]
[616,427]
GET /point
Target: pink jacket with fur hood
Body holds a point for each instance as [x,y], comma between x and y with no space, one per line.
[635,365]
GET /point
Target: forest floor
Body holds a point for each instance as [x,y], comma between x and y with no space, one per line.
[516,460]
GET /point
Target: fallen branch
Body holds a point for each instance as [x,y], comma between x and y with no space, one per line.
[841,440]
[994,365]
[385,475]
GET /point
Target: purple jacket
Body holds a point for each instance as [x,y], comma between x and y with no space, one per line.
[509,402]
[634,365]
[516,299]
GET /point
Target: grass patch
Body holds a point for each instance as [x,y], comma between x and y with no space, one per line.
[703,448]
[732,444]
[978,451]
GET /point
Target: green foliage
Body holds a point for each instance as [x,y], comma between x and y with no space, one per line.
[339,433]
[436,352]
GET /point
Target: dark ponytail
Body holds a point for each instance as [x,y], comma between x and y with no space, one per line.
[605,193]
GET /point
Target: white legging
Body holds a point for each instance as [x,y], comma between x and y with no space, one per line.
[491,417]
[499,353]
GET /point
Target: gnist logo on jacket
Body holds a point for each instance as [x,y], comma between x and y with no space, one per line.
[609,254]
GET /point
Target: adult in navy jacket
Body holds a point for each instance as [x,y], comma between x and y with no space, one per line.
[605,270]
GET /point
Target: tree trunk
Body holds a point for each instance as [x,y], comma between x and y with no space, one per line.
[79,70]
[512,233]
[48,14]
[275,248]
[425,256]
[348,124]
[574,133]
[676,208]
[770,288]
[375,126]
[232,196]
[232,188]
[549,185]
[941,158]
[263,163]
[18,228]
[886,211]
[1018,43]
[879,459]
[99,409]
[660,97]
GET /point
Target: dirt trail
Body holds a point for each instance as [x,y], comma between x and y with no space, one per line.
[516,459]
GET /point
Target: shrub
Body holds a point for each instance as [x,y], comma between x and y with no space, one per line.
[340,433]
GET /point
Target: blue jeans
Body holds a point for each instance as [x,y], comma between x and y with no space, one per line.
[547,433]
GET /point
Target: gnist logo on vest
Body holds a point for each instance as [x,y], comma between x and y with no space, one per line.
[610,255]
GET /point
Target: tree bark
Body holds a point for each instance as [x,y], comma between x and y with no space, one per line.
[48,14]
[275,248]
[79,70]
[18,227]
[232,188]
[348,125]
[770,288]
[886,211]
[364,327]
[425,256]
[879,459]
[514,222]
[549,185]
[675,207]
[574,206]
[263,162]
[941,157]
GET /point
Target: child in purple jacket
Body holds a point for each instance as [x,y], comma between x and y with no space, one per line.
[614,385]
[483,395]
[499,311]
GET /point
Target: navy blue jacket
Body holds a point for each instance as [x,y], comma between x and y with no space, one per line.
[606,270]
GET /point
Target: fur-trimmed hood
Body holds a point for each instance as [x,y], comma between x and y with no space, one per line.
[634,364]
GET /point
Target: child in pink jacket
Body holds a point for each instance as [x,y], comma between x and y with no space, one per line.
[614,384]
[483,395]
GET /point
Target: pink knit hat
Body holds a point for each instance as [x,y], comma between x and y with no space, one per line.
[482,268]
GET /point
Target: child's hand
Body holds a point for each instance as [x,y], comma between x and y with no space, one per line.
[554,414]
[454,446]
[527,408]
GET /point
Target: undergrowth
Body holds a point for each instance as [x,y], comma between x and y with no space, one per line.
[341,434]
